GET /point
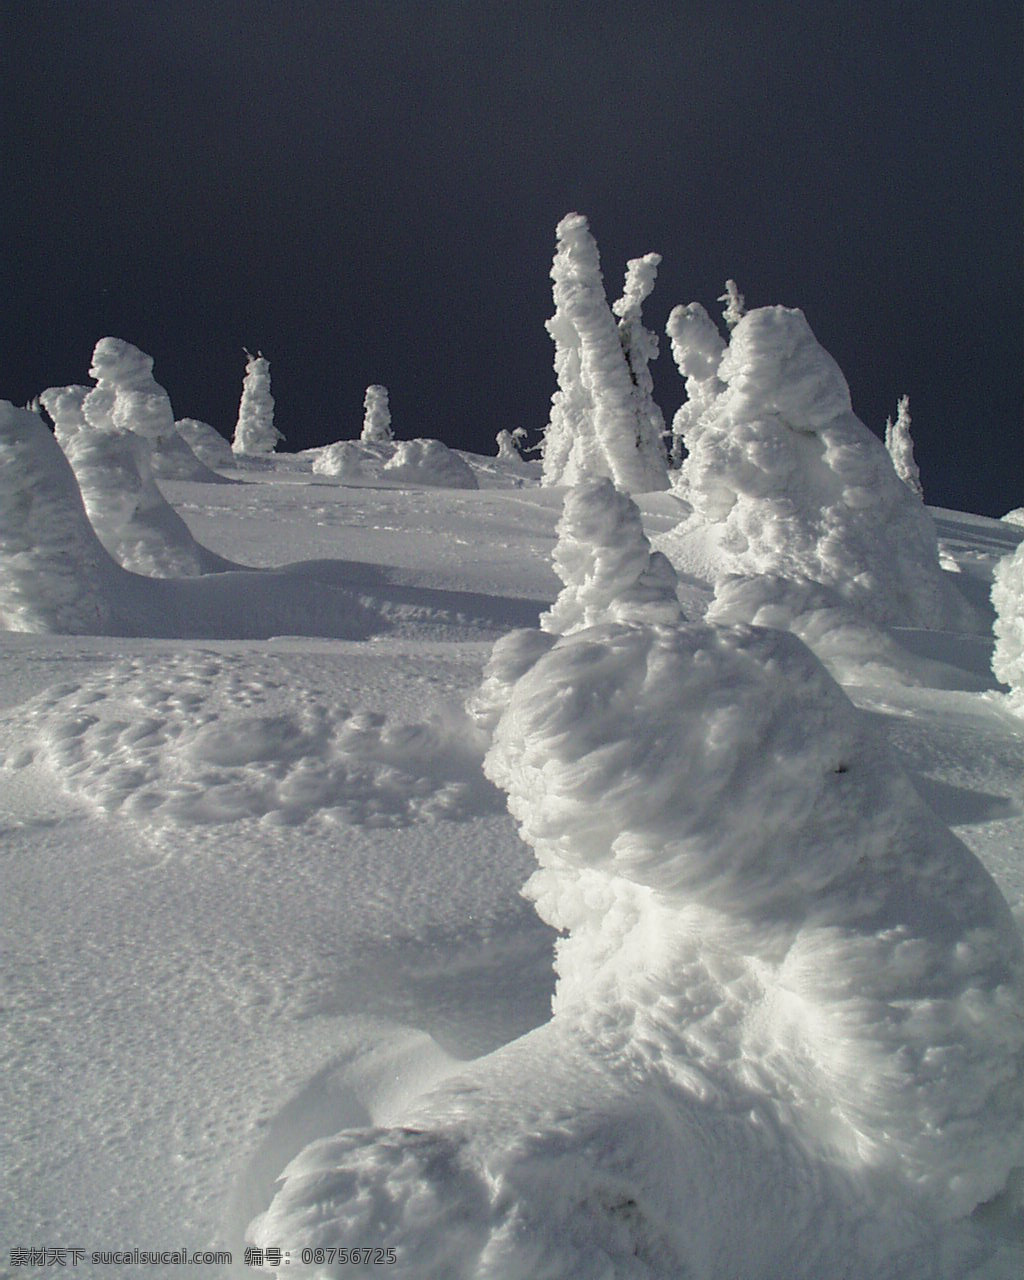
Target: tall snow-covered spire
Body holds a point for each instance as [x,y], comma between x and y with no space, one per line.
[255,433]
[377,417]
[600,423]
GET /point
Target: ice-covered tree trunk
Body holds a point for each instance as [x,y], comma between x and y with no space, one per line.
[377,417]
[255,433]
[600,423]
[697,348]
[901,447]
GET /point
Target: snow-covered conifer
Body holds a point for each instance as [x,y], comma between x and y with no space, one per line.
[734,309]
[510,444]
[255,433]
[697,348]
[601,423]
[606,563]
[639,343]
[377,417]
[109,433]
[794,485]
[901,447]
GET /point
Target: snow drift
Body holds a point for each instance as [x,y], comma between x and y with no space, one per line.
[786,481]
[787,995]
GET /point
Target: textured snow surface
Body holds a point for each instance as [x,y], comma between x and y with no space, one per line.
[261,911]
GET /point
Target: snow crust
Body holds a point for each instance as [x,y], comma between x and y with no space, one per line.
[790,482]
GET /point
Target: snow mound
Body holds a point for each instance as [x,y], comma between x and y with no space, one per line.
[1008,601]
[189,740]
[351,462]
[54,573]
[1016,516]
[428,462]
[797,487]
[174,458]
[206,442]
[786,994]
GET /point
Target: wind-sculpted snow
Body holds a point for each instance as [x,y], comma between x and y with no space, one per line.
[191,741]
[110,435]
[1008,601]
[427,462]
[54,573]
[787,995]
[351,462]
[206,442]
[792,484]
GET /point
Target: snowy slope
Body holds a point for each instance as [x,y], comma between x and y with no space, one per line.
[257,892]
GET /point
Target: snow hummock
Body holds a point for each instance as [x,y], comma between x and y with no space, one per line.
[351,462]
[255,433]
[206,442]
[427,462]
[785,481]
[786,994]
[603,420]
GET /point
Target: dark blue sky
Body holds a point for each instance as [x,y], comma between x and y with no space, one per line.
[368,192]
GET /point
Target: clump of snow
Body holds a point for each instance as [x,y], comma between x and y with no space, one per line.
[206,442]
[603,420]
[510,445]
[255,433]
[793,485]
[54,574]
[113,463]
[377,417]
[1016,516]
[428,462]
[901,447]
[605,561]
[1008,601]
[351,462]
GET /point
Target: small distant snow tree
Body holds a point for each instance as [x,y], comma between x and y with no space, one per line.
[735,309]
[377,417]
[901,447]
[640,344]
[601,421]
[510,444]
[255,433]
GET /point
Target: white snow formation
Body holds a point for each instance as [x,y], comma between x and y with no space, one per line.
[428,462]
[206,442]
[901,447]
[697,348]
[510,444]
[377,417]
[786,995]
[109,434]
[255,433]
[1008,601]
[734,309]
[603,420]
[54,573]
[351,462]
[785,481]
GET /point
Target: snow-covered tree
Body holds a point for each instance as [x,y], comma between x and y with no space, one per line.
[796,487]
[697,348]
[1008,602]
[601,421]
[901,447]
[109,434]
[377,417]
[734,309]
[640,344]
[510,444]
[255,433]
